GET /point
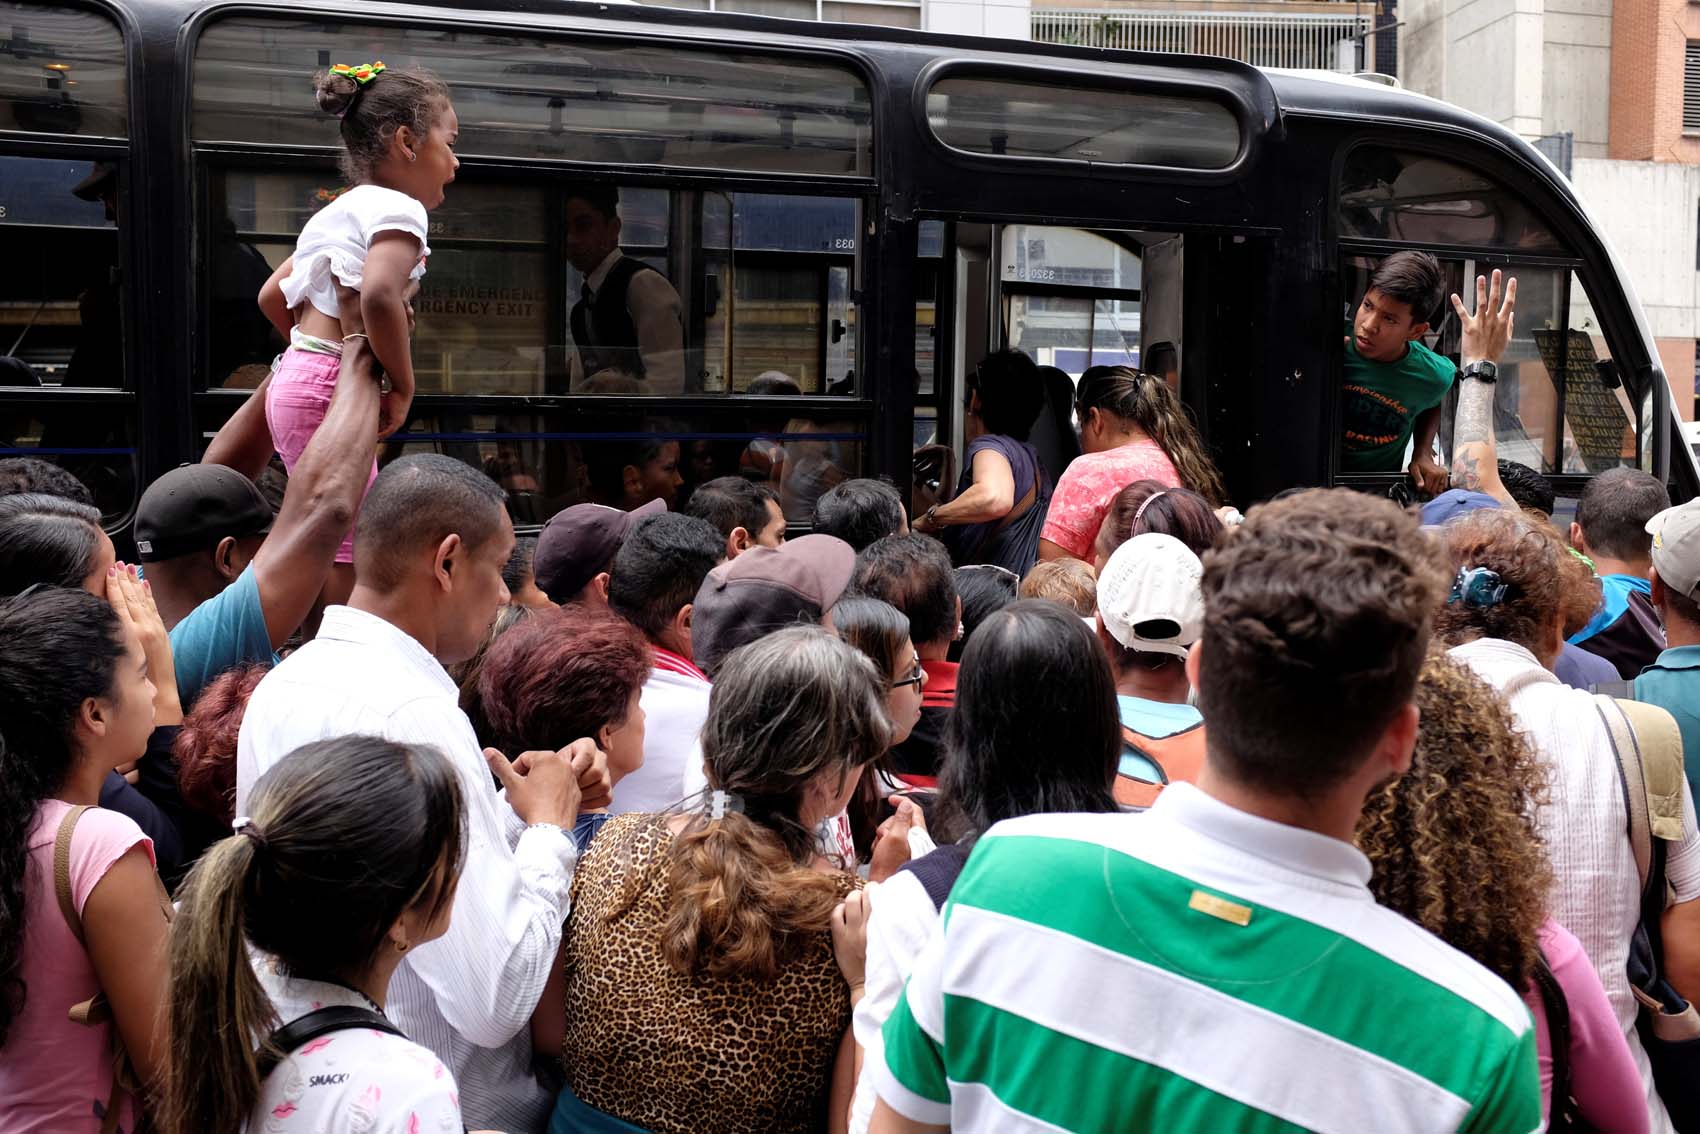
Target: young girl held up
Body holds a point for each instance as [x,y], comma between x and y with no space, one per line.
[398,135]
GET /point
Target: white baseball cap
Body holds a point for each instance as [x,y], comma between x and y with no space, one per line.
[1150,595]
[1676,547]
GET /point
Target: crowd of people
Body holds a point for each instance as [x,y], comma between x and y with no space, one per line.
[1093,806]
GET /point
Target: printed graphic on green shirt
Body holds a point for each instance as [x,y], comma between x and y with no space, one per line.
[1382,403]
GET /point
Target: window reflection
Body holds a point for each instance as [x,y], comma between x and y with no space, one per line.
[95,443]
[626,103]
[743,284]
[1394,195]
[625,460]
[61,72]
[61,301]
[1090,124]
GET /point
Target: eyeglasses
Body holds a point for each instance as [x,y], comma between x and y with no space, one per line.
[915,677]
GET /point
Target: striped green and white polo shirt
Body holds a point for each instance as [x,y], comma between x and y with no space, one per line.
[1196,968]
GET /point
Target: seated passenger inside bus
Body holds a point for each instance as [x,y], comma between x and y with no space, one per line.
[1394,384]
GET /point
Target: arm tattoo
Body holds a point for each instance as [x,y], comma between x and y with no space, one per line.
[1472,433]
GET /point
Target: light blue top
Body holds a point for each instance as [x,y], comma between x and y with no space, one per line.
[1672,683]
[1616,590]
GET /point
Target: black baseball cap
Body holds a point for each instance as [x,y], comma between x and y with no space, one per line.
[193,507]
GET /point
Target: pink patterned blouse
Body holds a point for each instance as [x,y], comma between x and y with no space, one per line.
[1089,485]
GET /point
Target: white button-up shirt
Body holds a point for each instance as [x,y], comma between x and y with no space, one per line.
[469,995]
[1598,892]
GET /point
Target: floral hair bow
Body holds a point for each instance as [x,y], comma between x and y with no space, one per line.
[361,73]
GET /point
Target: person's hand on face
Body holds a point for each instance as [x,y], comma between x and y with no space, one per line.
[132,598]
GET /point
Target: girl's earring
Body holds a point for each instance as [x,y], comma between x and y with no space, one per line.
[412,156]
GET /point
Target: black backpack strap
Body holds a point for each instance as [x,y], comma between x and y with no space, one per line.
[322,1021]
[1558,1040]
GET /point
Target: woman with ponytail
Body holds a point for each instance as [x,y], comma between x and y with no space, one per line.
[711,959]
[1132,427]
[348,859]
[82,915]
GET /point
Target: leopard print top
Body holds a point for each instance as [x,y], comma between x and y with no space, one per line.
[684,1055]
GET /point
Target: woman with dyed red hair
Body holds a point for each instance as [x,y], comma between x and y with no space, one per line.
[565,674]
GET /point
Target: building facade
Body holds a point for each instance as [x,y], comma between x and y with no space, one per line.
[1619,82]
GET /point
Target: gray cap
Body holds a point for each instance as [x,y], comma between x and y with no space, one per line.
[1676,548]
[764,589]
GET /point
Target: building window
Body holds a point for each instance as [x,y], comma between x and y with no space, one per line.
[1691,87]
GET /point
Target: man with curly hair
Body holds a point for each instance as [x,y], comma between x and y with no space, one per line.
[1217,962]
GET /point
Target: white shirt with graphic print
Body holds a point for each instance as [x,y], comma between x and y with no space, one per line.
[357,1081]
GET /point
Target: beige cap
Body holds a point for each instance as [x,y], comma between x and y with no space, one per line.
[1676,548]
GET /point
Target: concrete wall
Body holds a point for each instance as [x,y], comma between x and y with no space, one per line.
[1651,213]
[1535,66]
[1007,19]
[1576,73]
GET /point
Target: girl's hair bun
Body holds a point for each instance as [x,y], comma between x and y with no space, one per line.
[334,92]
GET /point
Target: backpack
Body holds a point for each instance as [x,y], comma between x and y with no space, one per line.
[1178,757]
[321,1022]
[1648,748]
[1563,1115]
[95,1011]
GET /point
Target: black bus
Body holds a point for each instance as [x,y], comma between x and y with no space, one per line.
[851,217]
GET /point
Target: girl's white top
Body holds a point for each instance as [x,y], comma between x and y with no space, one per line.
[333,245]
[356,1081]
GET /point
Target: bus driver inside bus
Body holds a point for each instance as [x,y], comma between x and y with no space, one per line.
[626,323]
[1394,384]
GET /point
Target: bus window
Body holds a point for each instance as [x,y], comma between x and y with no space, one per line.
[1599,415]
[1559,406]
[61,72]
[61,322]
[625,104]
[1072,297]
[721,289]
[61,318]
[624,460]
[1388,194]
[1097,125]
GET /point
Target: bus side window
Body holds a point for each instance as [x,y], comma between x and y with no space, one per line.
[62,324]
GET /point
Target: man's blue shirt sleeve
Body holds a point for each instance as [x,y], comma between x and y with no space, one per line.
[225,631]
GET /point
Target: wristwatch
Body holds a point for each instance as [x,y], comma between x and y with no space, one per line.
[1483,370]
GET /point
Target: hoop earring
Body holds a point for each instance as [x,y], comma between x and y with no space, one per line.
[412,156]
[401,946]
